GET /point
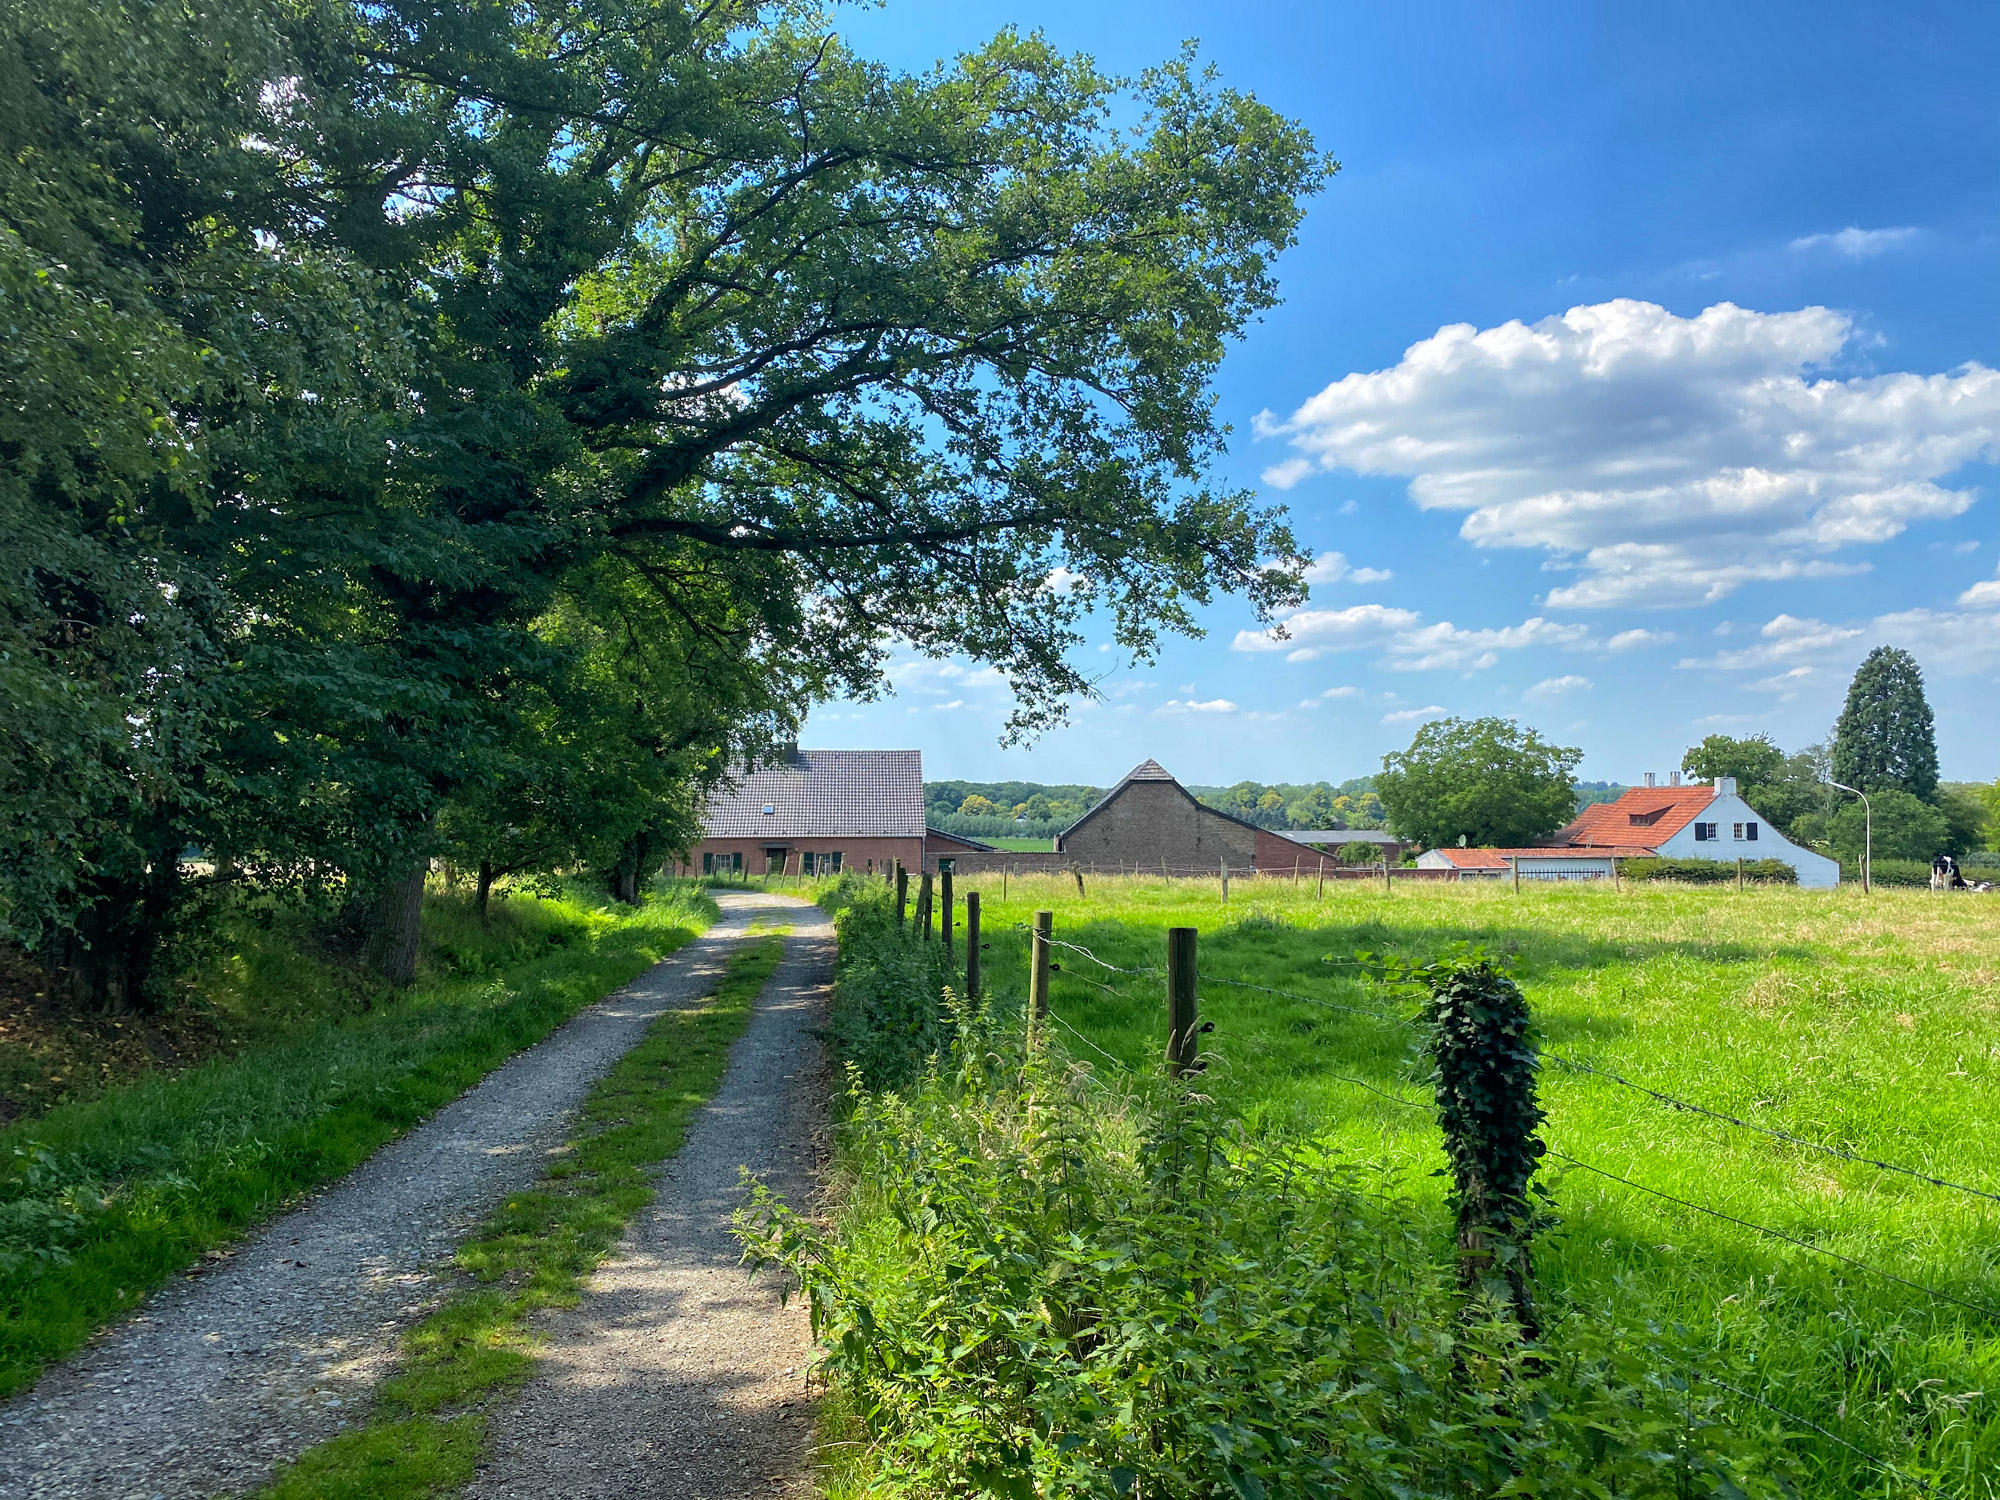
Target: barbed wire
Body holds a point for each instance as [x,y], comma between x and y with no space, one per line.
[1716,1114]
[1115,1061]
[1056,942]
[1779,1234]
[1352,1010]
[1791,1416]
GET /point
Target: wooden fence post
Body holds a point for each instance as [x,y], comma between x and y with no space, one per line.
[1385,873]
[1038,971]
[1739,872]
[944,880]
[1225,882]
[924,913]
[972,945]
[902,896]
[1183,1004]
[1077,870]
[1320,894]
[1514,864]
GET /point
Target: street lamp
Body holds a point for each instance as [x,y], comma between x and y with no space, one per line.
[1867,830]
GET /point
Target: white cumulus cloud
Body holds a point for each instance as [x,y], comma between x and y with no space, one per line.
[1668,460]
[1328,695]
[1551,688]
[1309,633]
[1405,715]
[1444,645]
[1632,640]
[1983,595]
[1333,567]
[1857,244]
[1189,706]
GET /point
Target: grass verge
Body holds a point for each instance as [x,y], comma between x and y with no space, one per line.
[425,1432]
[103,1199]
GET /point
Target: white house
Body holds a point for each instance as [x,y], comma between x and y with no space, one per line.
[1670,822]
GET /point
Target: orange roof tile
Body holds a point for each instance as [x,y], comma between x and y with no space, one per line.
[1645,814]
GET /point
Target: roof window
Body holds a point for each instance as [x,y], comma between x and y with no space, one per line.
[769,808]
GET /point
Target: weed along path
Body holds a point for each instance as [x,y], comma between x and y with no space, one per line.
[677,1375]
[277,1346]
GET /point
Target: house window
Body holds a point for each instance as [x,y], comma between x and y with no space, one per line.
[946,866]
[1750,833]
[806,863]
[1739,833]
[736,862]
[831,864]
[708,863]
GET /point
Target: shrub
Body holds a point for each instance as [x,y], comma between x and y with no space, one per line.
[888,1013]
[1709,871]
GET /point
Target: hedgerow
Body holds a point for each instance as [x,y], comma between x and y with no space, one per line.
[1709,871]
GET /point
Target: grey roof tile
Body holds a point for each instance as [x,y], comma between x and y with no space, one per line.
[823,794]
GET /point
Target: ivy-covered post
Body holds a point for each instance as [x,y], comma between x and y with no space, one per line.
[924,904]
[1486,1063]
[945,913]
[972,945]
[902,896]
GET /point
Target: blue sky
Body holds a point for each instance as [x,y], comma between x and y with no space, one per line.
[1635,376]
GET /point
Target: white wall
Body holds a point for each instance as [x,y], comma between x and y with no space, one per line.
[1726,811]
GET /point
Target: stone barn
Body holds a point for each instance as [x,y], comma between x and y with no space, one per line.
[1149,822]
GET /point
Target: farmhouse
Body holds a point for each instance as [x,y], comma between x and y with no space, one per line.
[819,812]
[1149,821]
[1695,821]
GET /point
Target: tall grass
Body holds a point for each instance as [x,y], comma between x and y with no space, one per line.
[103,1199]
[1863,1023]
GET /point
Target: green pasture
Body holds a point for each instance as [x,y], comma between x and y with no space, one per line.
[1866,1023]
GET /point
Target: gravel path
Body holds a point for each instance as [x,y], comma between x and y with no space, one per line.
[268,1350]
[677,1375]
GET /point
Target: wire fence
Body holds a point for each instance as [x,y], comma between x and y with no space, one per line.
[1206,981]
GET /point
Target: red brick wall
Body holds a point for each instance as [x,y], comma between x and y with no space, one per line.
[858,855]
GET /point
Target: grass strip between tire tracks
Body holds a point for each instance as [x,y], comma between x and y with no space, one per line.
[425,1433]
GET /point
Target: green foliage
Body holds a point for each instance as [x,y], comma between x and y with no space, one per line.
[1884,739]
[1486,781]
[103,1199]
[492,506]
[1038,1286]
[1484,1066]
[1317,804]
[889,1018]
[1903,827]
[1969,816]
[1709,871]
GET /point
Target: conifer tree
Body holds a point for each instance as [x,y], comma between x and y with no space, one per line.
[1884,738]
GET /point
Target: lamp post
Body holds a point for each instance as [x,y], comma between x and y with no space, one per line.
[1867,830]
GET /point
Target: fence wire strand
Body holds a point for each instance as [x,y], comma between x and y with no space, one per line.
[1791,1416]
[1779,1234]
[1716,1114]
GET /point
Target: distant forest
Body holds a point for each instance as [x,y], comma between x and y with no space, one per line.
[996,809]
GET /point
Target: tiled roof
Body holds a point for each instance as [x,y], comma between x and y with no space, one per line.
[1645,814]
[824,794]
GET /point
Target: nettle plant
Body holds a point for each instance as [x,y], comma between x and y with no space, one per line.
[1042,1286]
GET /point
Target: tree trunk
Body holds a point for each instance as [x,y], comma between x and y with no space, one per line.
[485,886]
[396,925]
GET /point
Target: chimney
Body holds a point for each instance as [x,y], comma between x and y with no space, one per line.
[1650,779]
[1725,786]
[1673,778]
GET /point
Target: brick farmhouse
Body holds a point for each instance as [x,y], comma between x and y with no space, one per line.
[820,812]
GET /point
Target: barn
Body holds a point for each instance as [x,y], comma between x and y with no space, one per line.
[1149,821]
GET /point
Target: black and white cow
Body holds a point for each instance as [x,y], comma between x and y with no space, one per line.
[1945,876]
